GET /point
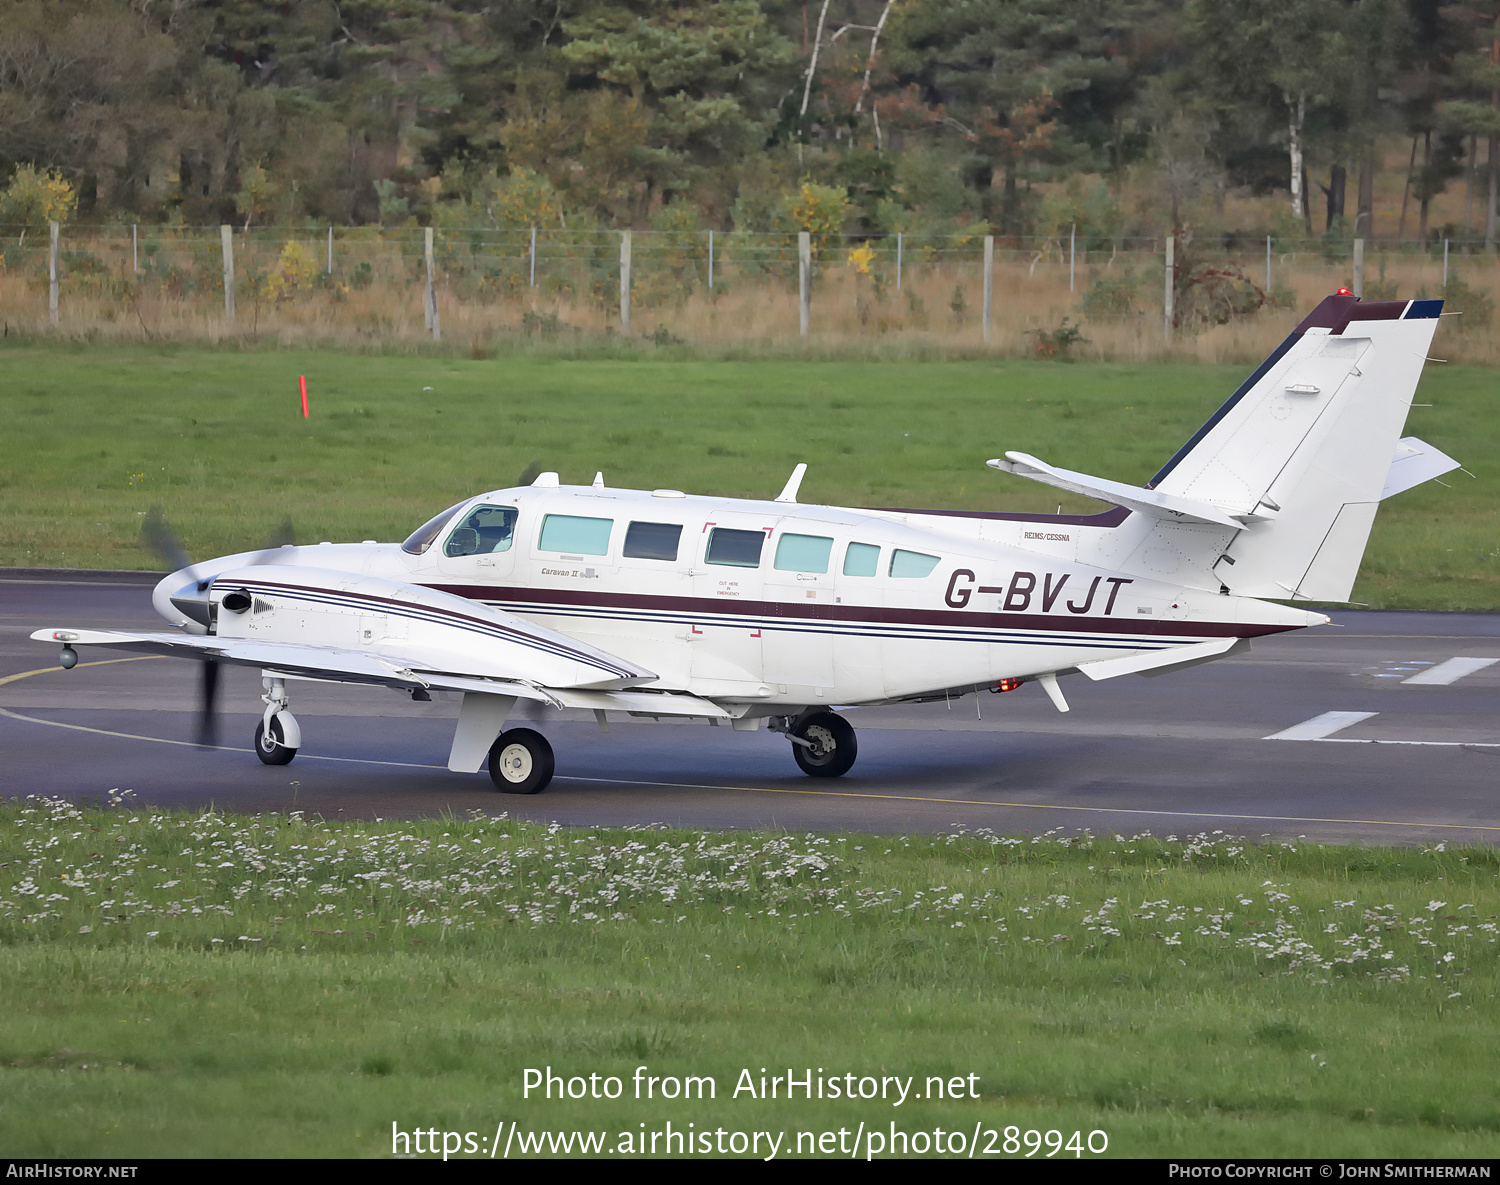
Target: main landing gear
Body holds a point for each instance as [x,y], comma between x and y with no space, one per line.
[521,762]
[823,743]
[278,736]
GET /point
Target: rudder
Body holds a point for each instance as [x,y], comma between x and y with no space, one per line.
[1302,451]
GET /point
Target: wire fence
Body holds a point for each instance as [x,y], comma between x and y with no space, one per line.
[170,279]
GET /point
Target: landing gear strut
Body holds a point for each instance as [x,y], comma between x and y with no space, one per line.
[823,743]
[278,736]
[521,762]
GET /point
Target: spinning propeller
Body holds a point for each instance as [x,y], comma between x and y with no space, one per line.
[158,537]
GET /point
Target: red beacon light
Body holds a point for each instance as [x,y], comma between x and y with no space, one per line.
[1345,292]
[1006,685]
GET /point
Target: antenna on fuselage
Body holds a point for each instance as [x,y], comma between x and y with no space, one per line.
[599,480]
[793,484]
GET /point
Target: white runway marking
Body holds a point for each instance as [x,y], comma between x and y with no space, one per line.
[1450,672]
[1320,726]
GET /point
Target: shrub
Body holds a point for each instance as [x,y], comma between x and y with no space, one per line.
[1055,343]
[1113,293]
[34,199]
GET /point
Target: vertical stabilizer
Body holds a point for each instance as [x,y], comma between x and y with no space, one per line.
[1302,451]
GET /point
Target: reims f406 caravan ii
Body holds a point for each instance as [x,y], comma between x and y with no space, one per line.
[659,604]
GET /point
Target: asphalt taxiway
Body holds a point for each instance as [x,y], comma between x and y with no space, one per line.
[1384,727]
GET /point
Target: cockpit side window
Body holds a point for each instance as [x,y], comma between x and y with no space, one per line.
[421,539]
[483,530]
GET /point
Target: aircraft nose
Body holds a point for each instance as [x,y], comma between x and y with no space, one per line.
[182,598]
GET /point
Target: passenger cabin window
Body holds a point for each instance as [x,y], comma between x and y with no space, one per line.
[652,541]
[861,559]
[734,549]
[912,564]
[803,553]
[422,538]
[483,530]
[574,535]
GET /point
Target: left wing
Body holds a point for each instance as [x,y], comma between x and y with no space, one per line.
[340,627]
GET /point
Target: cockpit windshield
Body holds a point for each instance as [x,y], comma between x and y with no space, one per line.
[484,529]
[421,539]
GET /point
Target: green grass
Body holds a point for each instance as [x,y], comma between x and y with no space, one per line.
[180,984]
[94,437]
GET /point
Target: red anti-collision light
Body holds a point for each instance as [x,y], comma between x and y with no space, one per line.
[1345,292]
[1007,685]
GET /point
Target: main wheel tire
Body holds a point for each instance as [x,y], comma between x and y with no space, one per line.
[270,749]
[834,747]
[521,762]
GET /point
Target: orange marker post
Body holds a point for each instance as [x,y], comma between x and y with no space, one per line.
[303,379]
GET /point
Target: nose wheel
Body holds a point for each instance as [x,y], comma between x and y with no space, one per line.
[521,762]
[270,745]
[278,736]
[823,745]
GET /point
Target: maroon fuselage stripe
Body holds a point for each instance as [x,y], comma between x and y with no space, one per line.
[805,613]
[562,648]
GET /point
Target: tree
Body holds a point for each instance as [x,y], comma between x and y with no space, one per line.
[1027,86]
[1477,71]
[698,76]
[1270,58]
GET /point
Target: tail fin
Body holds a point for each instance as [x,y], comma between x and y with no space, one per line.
[1302,452]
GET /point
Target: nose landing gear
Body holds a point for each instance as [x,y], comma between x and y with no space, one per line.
[278,736]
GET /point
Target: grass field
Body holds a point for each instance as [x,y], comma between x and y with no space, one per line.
[181,984]
[95,436]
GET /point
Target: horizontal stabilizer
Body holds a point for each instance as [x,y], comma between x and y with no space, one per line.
[1159,662]
[1415,461]
[1172,507]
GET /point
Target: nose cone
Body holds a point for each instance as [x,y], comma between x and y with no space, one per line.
[182,598]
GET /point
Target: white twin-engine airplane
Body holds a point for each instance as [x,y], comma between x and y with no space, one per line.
[660,604]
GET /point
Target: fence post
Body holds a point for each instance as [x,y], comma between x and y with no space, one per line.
[1171,284]
[804,282]
[1359,268]
[427,285]
[1268,265]
[1072,254]
[52,276]
[710,259]
[898,261]
[1445,265]
[330,249]
[533,257]
[625,282]
[226,245]
[989,286]
[135,248]
[432,309]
